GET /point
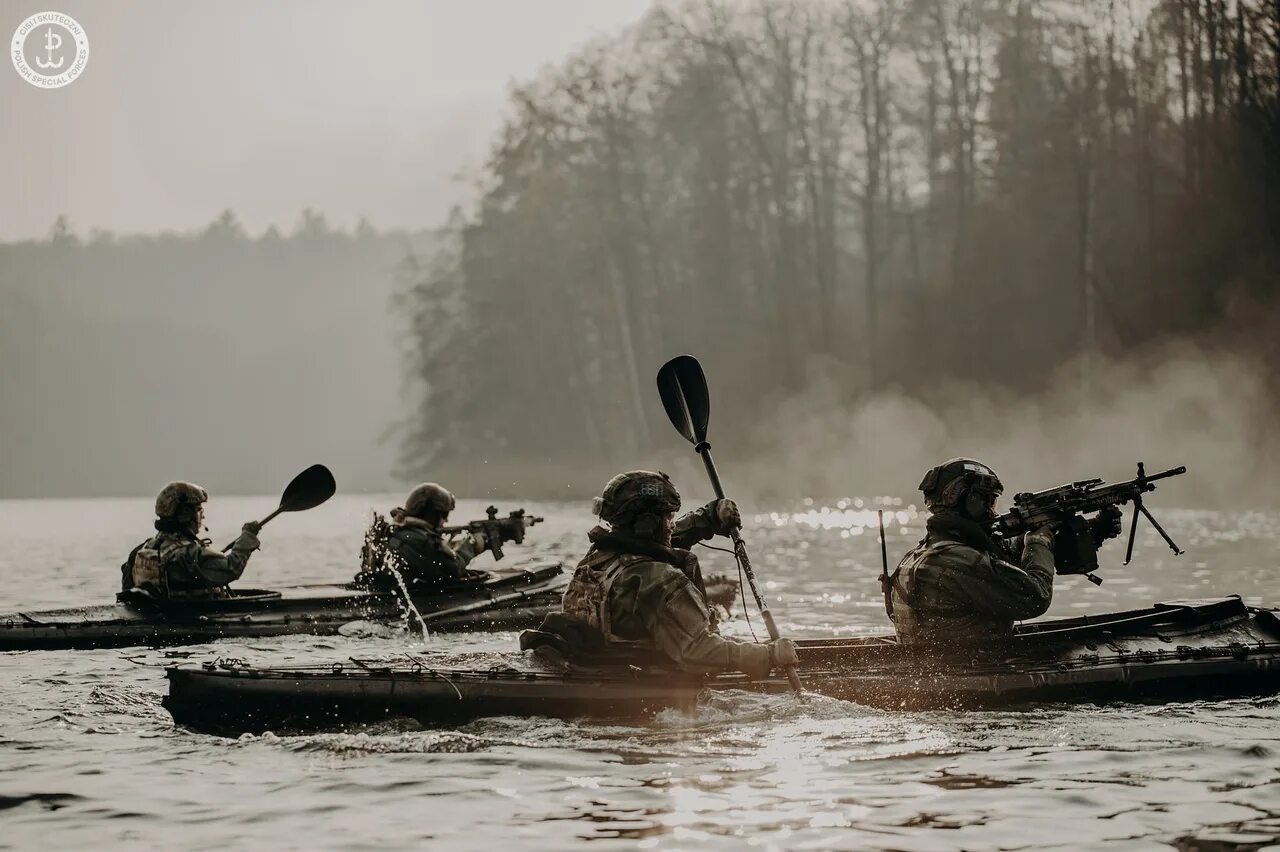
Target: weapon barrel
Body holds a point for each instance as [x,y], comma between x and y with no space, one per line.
[1165,474]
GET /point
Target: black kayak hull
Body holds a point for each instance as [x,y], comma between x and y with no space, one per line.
[508,600]
[1171,652]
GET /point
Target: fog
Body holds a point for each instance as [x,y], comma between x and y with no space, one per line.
[230,361]
[185,109]
[1176,405]
[455,242]
[129,361]
[892,236]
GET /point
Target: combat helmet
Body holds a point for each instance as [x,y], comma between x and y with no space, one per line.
[429,497]
[964,484]
[176,497]
[636,492]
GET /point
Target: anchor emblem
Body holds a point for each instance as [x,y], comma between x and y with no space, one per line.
[52,42]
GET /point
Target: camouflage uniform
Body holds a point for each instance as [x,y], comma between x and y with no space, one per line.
[960,586]
[177,563]
[186,567]
[641,596]
[414,547]
[424,558]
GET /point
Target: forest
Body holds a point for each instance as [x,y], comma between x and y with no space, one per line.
[954,204]
[894,231]
[226,358]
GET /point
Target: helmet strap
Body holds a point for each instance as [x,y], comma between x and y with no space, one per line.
[184,523]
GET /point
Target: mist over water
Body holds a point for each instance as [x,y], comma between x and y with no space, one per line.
[1178,404]
[698,203]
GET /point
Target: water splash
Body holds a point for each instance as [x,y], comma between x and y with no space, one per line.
[409,607]
[369,630]
[124,701]
[410,742]
[376,558]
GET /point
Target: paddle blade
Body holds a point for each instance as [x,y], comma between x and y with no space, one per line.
[683,388]
[309,489]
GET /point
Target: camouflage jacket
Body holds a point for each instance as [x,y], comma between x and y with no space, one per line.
[642,596]
[179,565]
[960,586]
[422,556]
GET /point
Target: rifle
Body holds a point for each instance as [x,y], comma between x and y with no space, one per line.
[1064,507]
[497,530]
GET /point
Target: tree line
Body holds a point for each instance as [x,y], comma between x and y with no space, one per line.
[215,356]
[914,193]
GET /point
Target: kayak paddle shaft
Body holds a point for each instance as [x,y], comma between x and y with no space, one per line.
[744,561]
[683,388]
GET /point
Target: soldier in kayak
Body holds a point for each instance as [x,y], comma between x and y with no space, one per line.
[637,595]
[959,585]
[176,563]
[414,546]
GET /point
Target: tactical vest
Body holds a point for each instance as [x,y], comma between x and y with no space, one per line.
[147,570]
[916,617]
[905,587]
[151,563]
[586,598]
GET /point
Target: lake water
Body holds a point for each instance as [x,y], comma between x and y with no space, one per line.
[88,758]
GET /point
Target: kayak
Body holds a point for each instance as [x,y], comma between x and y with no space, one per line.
[1180,650]
[503,599]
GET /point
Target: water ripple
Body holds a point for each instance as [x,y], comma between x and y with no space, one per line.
[92,760]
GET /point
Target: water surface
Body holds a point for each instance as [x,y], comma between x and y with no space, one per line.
[88,758]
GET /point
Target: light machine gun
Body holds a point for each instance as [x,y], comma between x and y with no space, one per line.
[497,530]
[1064,508]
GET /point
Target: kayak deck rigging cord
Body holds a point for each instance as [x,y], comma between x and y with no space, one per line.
[742,590]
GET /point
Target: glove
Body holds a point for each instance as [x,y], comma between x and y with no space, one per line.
[725,514]
[248,539]
[480,542]
[1106,525]
[1042,535]
[782,653]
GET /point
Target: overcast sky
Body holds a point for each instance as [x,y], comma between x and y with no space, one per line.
[351,108]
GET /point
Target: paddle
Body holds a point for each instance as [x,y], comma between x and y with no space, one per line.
[307,490]
[683,388]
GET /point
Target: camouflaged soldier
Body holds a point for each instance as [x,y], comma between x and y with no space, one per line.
[177,564]
[637,594]
[415,547]
[961,586]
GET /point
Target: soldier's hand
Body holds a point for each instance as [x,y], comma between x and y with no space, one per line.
[248,539]
[727,515]
[782,653]
[1107,524]
[1042,535]
[480,542]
